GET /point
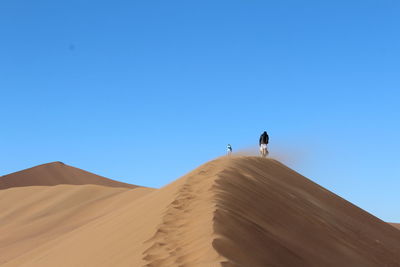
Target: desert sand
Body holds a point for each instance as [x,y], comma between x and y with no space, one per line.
[397,225]
[232,211]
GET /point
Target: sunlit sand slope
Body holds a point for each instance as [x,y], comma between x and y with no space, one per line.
[33,216]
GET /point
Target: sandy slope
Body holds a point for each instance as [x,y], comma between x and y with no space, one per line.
[243,211]
[397,225]
[32,216]
[55,173]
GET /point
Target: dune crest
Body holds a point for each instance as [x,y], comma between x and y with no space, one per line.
[232,211]
[56,173]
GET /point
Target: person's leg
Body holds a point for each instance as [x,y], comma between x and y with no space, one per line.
[264,150]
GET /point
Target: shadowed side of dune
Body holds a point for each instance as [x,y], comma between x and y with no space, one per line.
[56,173]
[269,215]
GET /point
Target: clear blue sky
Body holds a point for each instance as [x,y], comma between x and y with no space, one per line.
[145,91]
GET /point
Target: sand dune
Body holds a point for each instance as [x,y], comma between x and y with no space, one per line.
[238,211]
[55,173]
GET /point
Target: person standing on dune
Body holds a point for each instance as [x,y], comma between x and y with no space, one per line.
[263,142]
[228,149]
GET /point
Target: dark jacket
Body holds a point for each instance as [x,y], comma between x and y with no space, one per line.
[264,138]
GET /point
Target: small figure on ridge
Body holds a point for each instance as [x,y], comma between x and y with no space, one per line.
[228,149]
[264,139]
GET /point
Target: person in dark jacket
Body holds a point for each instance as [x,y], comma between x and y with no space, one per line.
[264,140]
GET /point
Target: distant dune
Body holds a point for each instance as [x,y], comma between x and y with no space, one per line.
[55,173]
[236,211]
